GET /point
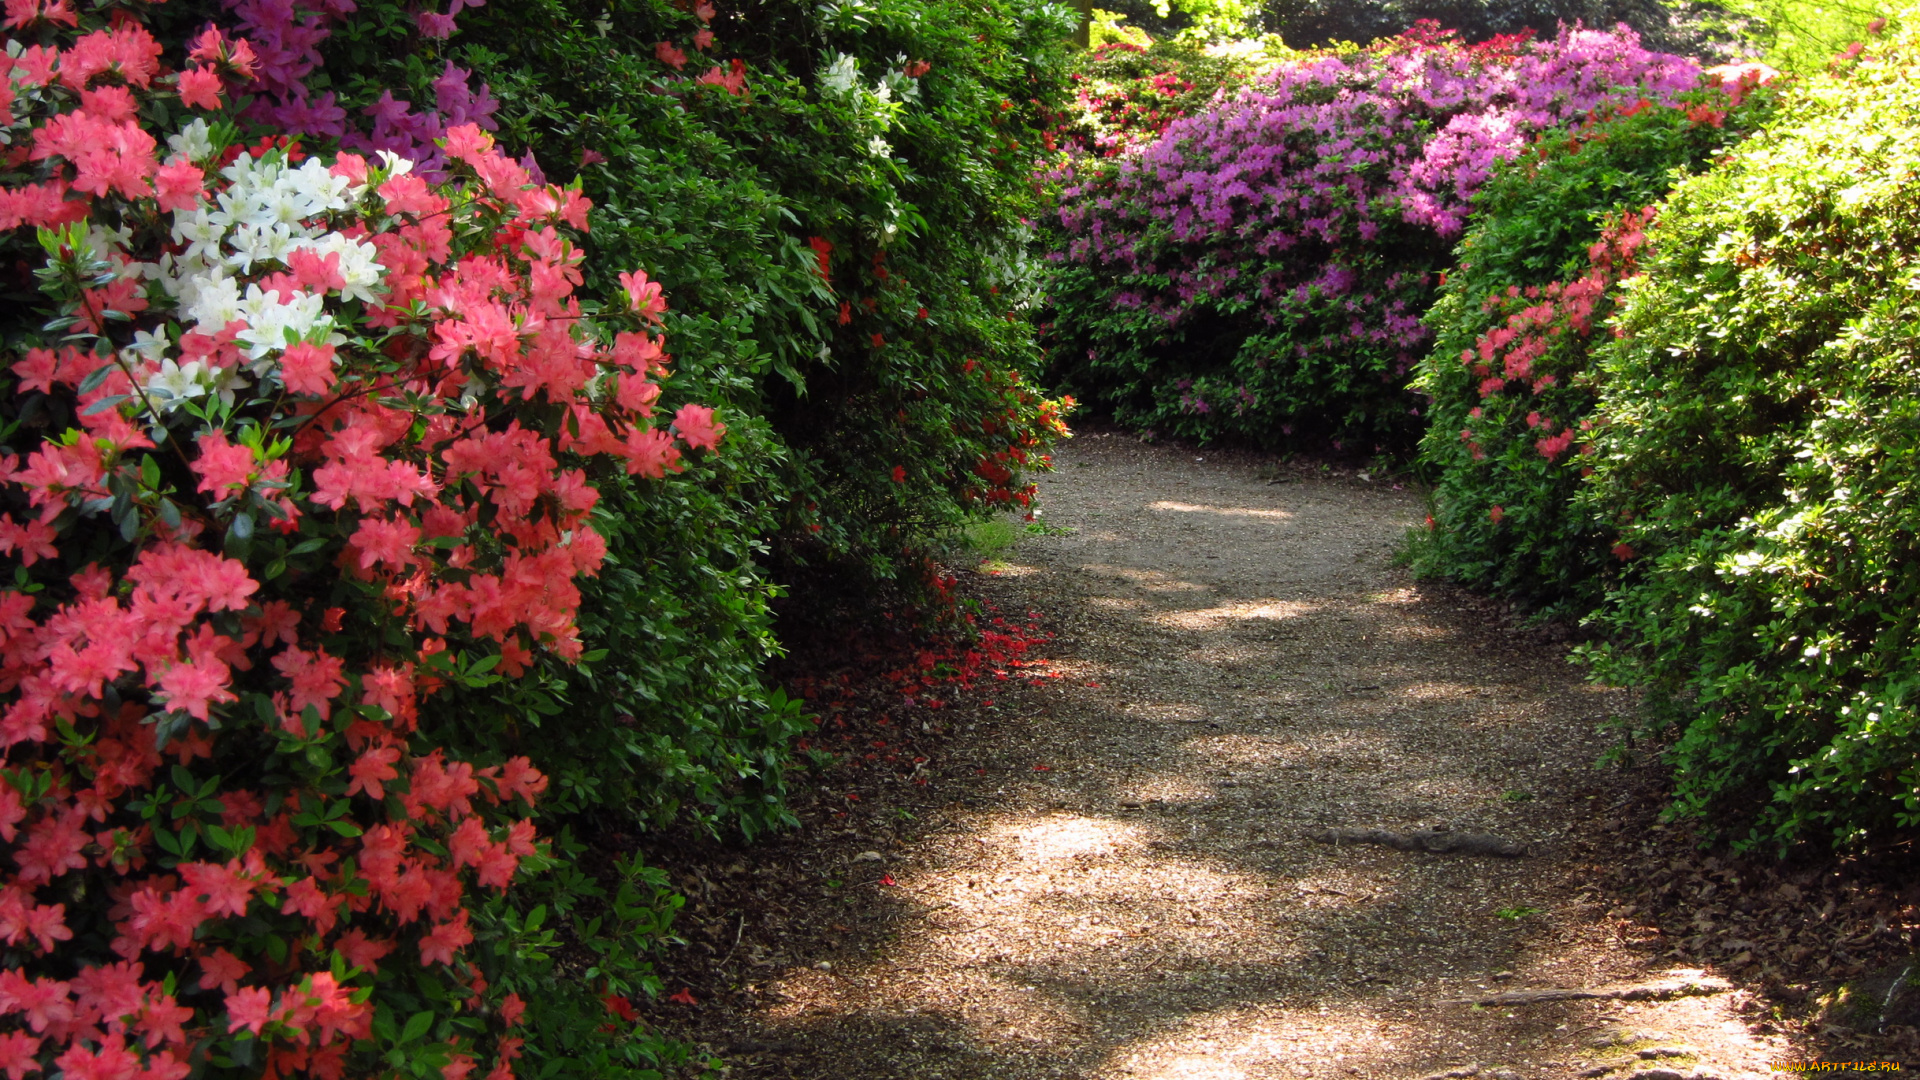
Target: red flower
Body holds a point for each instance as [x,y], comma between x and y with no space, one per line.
[445,940]
[821,249]
[696,425]
[248,1008]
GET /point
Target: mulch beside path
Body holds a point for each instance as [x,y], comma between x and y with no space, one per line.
[1074,851]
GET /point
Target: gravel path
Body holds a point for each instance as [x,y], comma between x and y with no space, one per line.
[1242,663]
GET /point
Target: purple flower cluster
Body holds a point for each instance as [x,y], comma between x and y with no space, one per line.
[410,133]
[1310,208]
[286,36]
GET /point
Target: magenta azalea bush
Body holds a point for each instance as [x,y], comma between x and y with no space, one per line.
[1260,270]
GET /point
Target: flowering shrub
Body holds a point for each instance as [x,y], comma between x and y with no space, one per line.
[1758,456]
[837,214]
[305,448]
[1125,95]
[1510,376]
[1260,271]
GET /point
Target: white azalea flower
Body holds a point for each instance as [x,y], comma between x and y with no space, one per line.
[148,347]
[211,300]
[841,76]
[175,383]
[193,141]
[270,316]
[357,263]
[253,244]
[198,230]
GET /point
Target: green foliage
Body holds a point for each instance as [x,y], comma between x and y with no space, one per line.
[918,184]
[843,250]
[1801,36]
[1763,455]
[1109,27]
[1533,227]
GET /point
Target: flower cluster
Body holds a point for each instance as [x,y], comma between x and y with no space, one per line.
[282,40]
[1280,246]
[321,447]
[1511,380]
[1537,342]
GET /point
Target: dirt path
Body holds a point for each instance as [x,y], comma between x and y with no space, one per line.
[1243,663]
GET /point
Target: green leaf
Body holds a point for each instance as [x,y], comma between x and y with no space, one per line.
[97,376]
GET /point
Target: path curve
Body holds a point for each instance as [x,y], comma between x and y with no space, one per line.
[1242,663]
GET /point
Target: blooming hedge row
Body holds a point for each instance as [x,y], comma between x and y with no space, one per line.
[1732,509]
[304,445]
[1759,459]
[835,198]
[1509,379]
[314,453]
[1260,270]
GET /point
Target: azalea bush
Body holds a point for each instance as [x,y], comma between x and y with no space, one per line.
[1510,376]
[300,467]
[1758,460]
[834,196]
[1261,269]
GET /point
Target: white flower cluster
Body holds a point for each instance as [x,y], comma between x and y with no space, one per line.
[876,108]
[265,214]
[840,76]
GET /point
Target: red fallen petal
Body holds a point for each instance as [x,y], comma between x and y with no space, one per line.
[684,997]
[886,879]
[1043,768]
[1091,685]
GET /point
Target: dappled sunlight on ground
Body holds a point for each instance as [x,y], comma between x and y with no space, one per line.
[1223,511]
[1209,618]
[1260,1041]
[1151,580]
[997,568]
[1440,691]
